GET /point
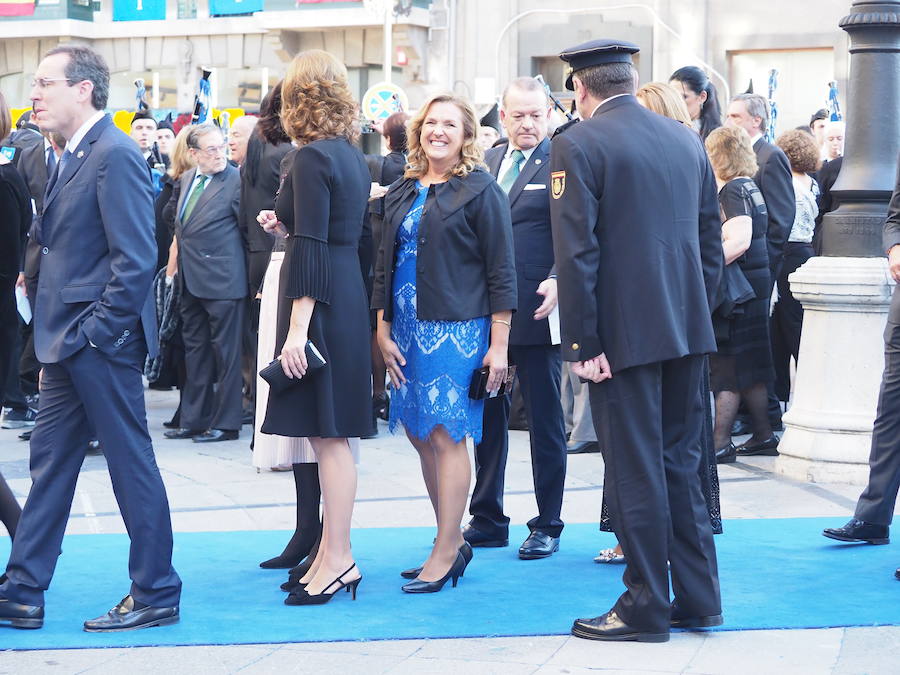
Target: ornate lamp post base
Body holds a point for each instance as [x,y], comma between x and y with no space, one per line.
[828,429]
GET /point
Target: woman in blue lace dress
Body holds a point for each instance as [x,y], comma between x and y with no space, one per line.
[445,288]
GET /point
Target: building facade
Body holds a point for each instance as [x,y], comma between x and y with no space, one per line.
[470,46]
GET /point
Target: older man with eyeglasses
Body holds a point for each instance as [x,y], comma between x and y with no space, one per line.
[213,273]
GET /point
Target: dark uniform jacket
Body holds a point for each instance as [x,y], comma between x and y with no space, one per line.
[776,184]
[529,202]
[465,265]
[637,237]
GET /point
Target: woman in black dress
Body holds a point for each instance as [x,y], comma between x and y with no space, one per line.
[15,207]
[743,365]
[322,204]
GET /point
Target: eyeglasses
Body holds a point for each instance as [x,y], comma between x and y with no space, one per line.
[44,82]
[213,150]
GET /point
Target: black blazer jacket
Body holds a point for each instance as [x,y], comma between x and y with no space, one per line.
[465,265]
[259,185]
[637,237]
[776,184]
[529,203]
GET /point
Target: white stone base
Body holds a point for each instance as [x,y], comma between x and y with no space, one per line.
[829,426]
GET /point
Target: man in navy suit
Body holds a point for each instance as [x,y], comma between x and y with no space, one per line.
[94,323]
[638,247]
[523,169]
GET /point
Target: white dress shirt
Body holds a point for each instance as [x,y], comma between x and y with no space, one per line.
[507,162]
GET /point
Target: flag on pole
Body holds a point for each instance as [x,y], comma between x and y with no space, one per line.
[201,100]
[16,7]
[140,95]
[773,107]
[833,106]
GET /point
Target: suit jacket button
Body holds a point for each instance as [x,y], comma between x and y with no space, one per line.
[45,250]
[576,346]
[127,333]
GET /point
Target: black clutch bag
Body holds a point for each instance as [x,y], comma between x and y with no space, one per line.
[275,376]
[478,384]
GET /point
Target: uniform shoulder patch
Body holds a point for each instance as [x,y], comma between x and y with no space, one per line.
[557,184]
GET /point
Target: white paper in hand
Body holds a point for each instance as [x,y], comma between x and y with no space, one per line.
[22,304]
[553,319]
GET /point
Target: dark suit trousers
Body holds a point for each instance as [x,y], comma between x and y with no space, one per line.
[876,504]
[538,370]
[212,331]
[257,263]
[92,389]
[649,422]
[787,319]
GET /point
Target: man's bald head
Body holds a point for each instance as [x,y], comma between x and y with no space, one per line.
[239,135]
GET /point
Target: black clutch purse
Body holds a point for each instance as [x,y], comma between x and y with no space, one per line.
[478,384]
[278,381]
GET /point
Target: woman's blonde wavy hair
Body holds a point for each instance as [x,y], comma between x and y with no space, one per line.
[664,100]
[471,154]
[316,102]
[180,161]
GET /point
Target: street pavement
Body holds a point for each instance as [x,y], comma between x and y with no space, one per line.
[215,487]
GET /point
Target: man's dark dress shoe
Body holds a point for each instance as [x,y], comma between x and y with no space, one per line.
[859,530]
[726,455]
[743,427]
[611,628]
[180,433]
[124,616]
[538,545]
[680,621]
[25,435]
[17,615]
[582,447]
[216,435]
[478,539]
[897,573]
[768,447]
[171,424]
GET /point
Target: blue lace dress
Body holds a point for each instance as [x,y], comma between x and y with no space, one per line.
[440,355]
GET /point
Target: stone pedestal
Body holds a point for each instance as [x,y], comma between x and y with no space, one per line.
[828,429]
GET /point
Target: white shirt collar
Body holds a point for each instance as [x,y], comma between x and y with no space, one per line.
[593,112]
[755,138]
[527,153]
[72,143]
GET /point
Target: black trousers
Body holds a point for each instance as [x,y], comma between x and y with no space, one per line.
[212,331]
[539,369]
[649,422]
[787,319]
[876,504]
[92,389]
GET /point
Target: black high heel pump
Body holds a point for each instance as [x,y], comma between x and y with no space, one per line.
[465,549]
[454,573]
[301,597]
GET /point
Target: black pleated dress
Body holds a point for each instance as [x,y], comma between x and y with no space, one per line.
[323,204]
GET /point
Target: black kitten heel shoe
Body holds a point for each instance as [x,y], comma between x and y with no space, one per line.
[301,597]
[465,549]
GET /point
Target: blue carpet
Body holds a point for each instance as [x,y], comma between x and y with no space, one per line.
[778,573]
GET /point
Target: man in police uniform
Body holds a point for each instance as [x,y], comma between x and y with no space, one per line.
[637,242]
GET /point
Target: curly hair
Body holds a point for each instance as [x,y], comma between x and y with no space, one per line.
[801,150]
[731,153]
[269,125]
[662,99]
[471,156]
[316,102]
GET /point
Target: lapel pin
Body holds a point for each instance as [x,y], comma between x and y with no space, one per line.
[537,161]
[79,154]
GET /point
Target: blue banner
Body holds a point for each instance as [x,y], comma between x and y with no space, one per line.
[225,7]
[139,10]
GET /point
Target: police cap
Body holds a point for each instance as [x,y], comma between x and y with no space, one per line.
[595,53]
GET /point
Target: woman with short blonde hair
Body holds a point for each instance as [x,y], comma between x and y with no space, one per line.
[742,367]
[445,288]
